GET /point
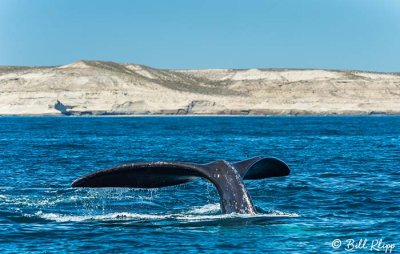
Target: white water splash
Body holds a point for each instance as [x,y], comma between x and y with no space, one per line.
[157,217]
[209,208]
[102,217]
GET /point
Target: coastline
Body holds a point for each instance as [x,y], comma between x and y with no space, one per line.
[199,115]
[112,89]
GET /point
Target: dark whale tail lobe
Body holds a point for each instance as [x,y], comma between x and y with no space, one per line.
[259,168]
[227,178]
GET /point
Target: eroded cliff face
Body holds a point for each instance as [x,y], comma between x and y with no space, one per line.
[106,88]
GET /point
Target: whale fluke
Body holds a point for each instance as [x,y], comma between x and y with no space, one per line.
[259,168]
[227,178]
[141,175]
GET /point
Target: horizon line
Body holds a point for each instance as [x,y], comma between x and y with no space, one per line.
[203,69]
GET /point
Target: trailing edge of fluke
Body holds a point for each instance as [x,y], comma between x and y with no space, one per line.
[226,177]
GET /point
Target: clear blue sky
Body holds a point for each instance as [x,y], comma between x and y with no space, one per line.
[184,34]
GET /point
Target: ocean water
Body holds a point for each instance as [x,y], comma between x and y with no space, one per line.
[344,184]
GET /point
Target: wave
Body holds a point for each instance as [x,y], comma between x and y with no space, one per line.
[203,213]
[102,217]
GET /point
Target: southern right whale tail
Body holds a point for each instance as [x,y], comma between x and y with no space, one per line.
[226,177]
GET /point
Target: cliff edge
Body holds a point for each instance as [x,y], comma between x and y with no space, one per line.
[107,88]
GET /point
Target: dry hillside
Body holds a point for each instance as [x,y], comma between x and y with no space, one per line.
[107,88]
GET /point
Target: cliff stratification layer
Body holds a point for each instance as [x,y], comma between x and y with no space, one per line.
[107,88]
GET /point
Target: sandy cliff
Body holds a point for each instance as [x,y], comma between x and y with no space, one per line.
[101,88]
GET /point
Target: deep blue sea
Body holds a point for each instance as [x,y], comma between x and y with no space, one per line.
[344,184]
